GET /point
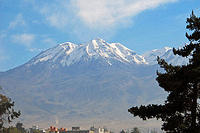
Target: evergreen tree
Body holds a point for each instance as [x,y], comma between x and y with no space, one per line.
[181,111]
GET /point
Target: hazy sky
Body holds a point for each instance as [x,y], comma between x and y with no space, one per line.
[28,27]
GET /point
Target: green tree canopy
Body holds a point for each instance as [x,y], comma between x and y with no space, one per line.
[20,127]
[180,113]
[7,112]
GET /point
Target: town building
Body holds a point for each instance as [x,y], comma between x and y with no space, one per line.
[98,130]
[77,130]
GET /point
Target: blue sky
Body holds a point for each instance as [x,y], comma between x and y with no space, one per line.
[28,27]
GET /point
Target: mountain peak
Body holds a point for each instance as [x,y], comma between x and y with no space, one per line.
[97,49]
[167,48]
[98,39]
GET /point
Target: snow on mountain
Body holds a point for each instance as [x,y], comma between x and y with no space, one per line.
[164,53]
[68,53]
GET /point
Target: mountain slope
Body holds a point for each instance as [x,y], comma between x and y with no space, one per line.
[94,82]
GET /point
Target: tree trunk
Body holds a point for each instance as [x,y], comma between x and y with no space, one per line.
[194,109]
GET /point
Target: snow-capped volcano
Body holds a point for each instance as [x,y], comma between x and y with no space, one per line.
[86,82]
[69,53]
[164,53]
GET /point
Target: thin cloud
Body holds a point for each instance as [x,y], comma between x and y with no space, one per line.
[45,41]
[49,41]
[23,39]
[90,18]
[58,20]
[110,12]
[18,21]
[95,13]
[57,13]
[3,55]
[35,50]
[3,35]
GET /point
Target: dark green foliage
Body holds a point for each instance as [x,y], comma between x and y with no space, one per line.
[135,130]
[180,113]
[7,113]
[11,130]
[20,127]
[122,131]
[35,131]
